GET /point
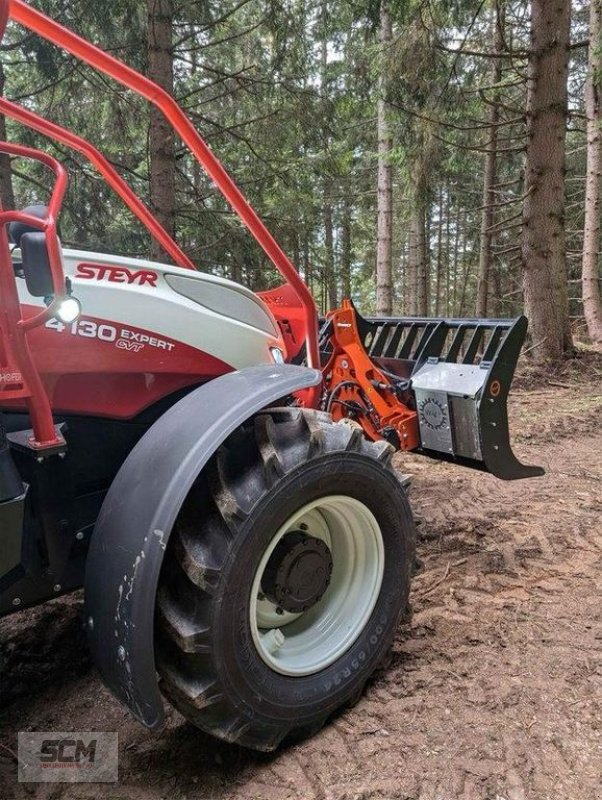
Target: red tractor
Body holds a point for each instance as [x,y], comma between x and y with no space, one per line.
[213,466]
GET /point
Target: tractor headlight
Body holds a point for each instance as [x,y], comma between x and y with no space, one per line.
[277,355]
[69,310]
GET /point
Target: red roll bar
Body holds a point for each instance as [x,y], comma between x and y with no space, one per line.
[128,77]
[27,384]
[108,172]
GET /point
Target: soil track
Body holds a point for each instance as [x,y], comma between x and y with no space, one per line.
[494,693]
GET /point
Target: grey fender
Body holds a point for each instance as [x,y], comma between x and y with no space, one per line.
[136,519]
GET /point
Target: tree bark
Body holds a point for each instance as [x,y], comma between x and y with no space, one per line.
[439,267]
[489,174]
[424,295]
[346,248]
[307,270]
[384,252]
[459,234]
[330,299]
[590,273]
[161,137]
[448,252]
[7,195]
[418,263]
[329,270]
[411,298]
[543,248]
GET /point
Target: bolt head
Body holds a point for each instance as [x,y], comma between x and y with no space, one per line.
[91,623]
[57,587]
[121,652]
[17,601]
[79,536]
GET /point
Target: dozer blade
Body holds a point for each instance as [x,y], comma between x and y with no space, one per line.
[460,372]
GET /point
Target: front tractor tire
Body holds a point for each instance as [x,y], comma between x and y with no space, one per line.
[285,579]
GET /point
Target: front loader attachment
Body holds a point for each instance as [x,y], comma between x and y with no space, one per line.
[445,381]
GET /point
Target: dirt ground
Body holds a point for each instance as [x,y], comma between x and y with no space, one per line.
[494,693]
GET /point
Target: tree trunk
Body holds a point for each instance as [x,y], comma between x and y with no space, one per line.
[489,176]
[417,266]
[307,270]
[424,295]
[329,298]
[448,253]
[384,284]
[439,268]
[459,232]
[403,271]
[161,137]
[543,239]
[411,299]
[590,274]
[7,196]
[346,254]
[329,270]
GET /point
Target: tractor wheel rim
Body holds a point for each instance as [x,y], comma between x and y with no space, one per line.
[303,644]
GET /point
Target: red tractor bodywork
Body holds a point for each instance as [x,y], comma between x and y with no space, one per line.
[18,360]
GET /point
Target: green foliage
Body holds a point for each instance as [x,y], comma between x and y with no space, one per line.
[286,93]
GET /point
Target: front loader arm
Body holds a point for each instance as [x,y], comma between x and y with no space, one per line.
[433,386]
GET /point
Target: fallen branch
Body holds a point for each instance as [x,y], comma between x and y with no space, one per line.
[445,576]
[534,346]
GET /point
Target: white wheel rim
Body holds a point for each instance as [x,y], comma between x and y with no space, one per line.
[303,644]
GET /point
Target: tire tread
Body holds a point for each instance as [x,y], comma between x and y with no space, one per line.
[272,445]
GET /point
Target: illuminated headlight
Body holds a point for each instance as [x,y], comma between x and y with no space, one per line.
[277,355]
[69,310]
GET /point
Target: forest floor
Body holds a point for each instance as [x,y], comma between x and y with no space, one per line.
[493,693]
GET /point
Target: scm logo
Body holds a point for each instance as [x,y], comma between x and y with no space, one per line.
[114,274]
[68,751]
[68,757]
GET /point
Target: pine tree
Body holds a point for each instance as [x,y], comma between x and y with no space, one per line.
[592,300]
[543,242]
